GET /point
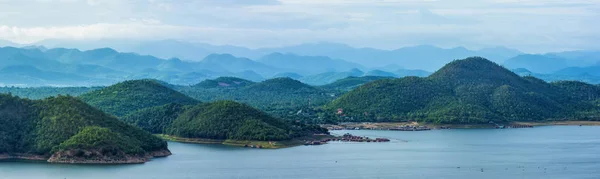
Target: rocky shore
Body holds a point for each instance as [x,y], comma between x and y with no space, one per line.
[23,157]
[88,157]
[96,157]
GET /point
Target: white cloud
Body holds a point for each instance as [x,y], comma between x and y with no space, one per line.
[531,25]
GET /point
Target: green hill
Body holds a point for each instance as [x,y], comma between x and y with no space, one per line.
[280,85]
[270,94]
[224,122]
[224,82]
[350,83]
[473,90]
[229,120]
[67,130]
[129,96]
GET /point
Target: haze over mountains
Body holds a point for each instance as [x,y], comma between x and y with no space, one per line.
[178,62]
[409,57]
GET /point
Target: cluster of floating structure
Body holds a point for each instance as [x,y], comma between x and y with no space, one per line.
[411,128]
[347,138]
[253,146]
[514,126]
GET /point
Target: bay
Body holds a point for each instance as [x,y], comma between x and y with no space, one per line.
[541,152]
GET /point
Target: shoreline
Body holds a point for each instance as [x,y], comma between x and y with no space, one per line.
[390,125]
[245,143]
[57,159]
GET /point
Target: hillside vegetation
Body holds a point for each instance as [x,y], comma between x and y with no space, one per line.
[129,96]
[350,83]
[472,90]
[228,120]
[276,93]
[156,119]
[67,129]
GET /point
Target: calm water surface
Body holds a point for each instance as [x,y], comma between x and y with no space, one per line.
[543,152]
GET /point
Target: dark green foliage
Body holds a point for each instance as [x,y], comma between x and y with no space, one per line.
[156,119]
[129,96]
[41,126]
[98,138]
[44,92]
[224,82]
[273,94]
[473,90]
[229,120]
[17,119]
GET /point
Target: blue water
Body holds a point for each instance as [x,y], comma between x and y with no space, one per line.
[542,152]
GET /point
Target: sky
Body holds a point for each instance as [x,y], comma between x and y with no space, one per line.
[533,26]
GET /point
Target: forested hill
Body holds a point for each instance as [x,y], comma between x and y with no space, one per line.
[352,82]
[273,93]
[65,129]
[224,82]
[231,120]
[129,96]
[472,90]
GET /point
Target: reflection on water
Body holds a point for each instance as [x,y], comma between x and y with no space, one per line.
[543,152]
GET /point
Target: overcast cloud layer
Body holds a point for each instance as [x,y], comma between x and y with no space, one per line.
[527,25]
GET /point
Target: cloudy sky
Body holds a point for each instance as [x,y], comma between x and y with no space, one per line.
[528,25]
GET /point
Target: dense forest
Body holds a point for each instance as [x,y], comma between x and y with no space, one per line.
[67,126]
[129,96]
[350,83]
[472,90]
[156,119]
[231,120]
[269,95]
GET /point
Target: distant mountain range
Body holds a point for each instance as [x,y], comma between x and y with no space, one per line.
[424,57]
[187,63]
[37,66]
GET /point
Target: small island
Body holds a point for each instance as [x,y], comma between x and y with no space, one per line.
[224,122]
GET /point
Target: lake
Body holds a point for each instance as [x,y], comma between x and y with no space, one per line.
[541,152]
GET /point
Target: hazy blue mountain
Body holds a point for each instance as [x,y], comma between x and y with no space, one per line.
[169,49]
[25,75]
[553,62]
[537,63]
[230,63]
[591,70]
[407,72]
[417,57]
[380,73]
[330,77]
[584,58]
[589,74]
[424,57]
[498,53]
[175,64]
[306,64]
[10,56]
[107,57]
